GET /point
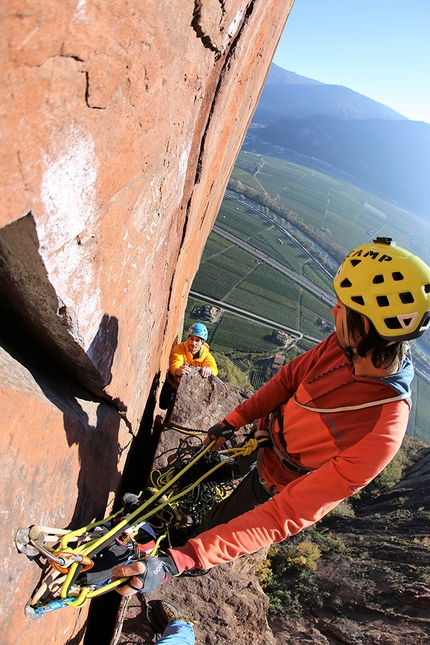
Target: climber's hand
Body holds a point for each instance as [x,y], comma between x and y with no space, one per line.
[148,574]
[184,369]
[205,371]
[133,585]
[220,432]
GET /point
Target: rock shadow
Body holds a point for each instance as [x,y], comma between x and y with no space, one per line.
[90,422]
[42,334]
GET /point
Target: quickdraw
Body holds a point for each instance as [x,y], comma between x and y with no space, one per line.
[66,555]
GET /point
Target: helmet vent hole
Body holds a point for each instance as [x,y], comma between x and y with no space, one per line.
[407,298]
[355,262]
[382,301]
[426,288]
[358,300]
[378,279]
[345,284]
[397,276]
[392,323]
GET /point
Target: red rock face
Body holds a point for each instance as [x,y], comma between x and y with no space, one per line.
[120,124]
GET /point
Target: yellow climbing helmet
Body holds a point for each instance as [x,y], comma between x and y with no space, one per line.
[389,285]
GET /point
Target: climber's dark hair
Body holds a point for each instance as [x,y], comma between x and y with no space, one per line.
[384,352]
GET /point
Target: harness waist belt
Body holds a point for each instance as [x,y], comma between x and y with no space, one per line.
[292,466]
[288,463]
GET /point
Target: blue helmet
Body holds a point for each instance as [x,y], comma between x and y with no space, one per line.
[198,329]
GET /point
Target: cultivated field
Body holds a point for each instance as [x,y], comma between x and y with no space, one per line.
[351,215]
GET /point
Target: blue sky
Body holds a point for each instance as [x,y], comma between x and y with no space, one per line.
[379,48]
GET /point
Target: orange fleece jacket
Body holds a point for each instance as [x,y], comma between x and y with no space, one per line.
[181,354]
[345,450]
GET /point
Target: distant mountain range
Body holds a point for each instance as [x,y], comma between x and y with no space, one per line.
[287,95]
[379,149]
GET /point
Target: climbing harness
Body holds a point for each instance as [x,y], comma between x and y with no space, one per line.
[70,557]
[276,415]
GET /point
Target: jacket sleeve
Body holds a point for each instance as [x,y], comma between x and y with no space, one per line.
[177,358]
[304,501]
[209,361]
[279,389]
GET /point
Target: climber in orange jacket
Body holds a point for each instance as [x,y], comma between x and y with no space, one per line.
[336,417]
[194,352]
